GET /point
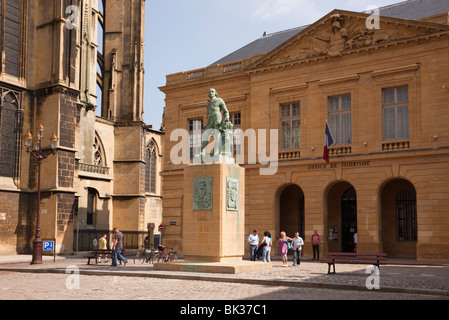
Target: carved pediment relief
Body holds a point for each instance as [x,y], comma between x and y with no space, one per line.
[341,32]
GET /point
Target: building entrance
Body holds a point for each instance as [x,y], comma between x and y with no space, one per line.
[399,219]
[341,217]
[291,211]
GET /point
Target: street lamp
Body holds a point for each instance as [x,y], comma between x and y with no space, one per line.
[39,155]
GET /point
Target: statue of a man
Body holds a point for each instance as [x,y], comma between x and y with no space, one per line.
[215,106]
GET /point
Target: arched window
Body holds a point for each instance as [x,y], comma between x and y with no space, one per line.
[9,133]
[150,169]
[99,156]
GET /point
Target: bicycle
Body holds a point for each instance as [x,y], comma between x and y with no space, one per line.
[145,255]
[165,254]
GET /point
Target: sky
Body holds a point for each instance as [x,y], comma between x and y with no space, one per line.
[183,35]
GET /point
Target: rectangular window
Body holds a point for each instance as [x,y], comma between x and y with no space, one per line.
[91,207]
[395,113]
[290,126]
[236,120]
[195,132]
[340,119]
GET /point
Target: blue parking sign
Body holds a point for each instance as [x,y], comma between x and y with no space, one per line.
[49,245]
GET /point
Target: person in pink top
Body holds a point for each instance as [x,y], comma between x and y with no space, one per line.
[283,248]
[316,245]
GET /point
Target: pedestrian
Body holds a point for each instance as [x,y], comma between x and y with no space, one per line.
[283,248]
[253,241]
[271,245]
[117,247]
[95,243]
[103,245]
[297,244]
[356,239]
[316,245]
[266,250]
[146,243]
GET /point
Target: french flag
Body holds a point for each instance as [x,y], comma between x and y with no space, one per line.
[328,141]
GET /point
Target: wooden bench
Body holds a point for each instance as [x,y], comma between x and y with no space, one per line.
[96,254]
[332,258]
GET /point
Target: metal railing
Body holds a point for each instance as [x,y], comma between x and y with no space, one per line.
[133,240]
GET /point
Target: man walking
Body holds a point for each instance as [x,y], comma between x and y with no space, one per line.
[316,245]
[297,244]
[253,241]
[117,247]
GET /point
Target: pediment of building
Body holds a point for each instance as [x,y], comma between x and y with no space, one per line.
[342,32]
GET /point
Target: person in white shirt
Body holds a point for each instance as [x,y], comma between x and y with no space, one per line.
[253,241]
[267,248]
[297,244]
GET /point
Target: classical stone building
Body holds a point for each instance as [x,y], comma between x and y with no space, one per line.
[76,67]
[384,91]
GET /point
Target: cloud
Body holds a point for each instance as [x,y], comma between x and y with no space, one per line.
[276,9]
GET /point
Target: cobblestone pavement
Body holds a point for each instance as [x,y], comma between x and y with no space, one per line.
[38,286]
[140,282]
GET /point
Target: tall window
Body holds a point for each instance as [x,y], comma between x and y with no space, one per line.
[91,206]
[100,56]
[290,126]
[340,118]
[195,132]
[10,118]
[10,35]
[150,172]
[395,113]
[406,216]
[236,120]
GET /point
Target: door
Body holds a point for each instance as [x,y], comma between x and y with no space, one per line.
[348,220]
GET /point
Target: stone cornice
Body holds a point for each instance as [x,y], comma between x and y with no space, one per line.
[347,52]
[57,89]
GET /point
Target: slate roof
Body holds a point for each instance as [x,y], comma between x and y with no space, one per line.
[411,10]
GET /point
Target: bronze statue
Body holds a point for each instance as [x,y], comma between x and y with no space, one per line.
[214,121]
[215,106]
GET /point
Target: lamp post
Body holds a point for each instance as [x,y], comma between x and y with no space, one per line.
[39,155]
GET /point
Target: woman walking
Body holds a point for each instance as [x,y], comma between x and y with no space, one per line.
[283,248]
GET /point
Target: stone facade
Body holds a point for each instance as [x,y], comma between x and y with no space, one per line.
[387,179]
[49,76]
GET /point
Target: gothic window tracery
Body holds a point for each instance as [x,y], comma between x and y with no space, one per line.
[99,156]
[150,169]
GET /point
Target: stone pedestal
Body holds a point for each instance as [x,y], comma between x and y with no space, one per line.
[213,221]
[213,213]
